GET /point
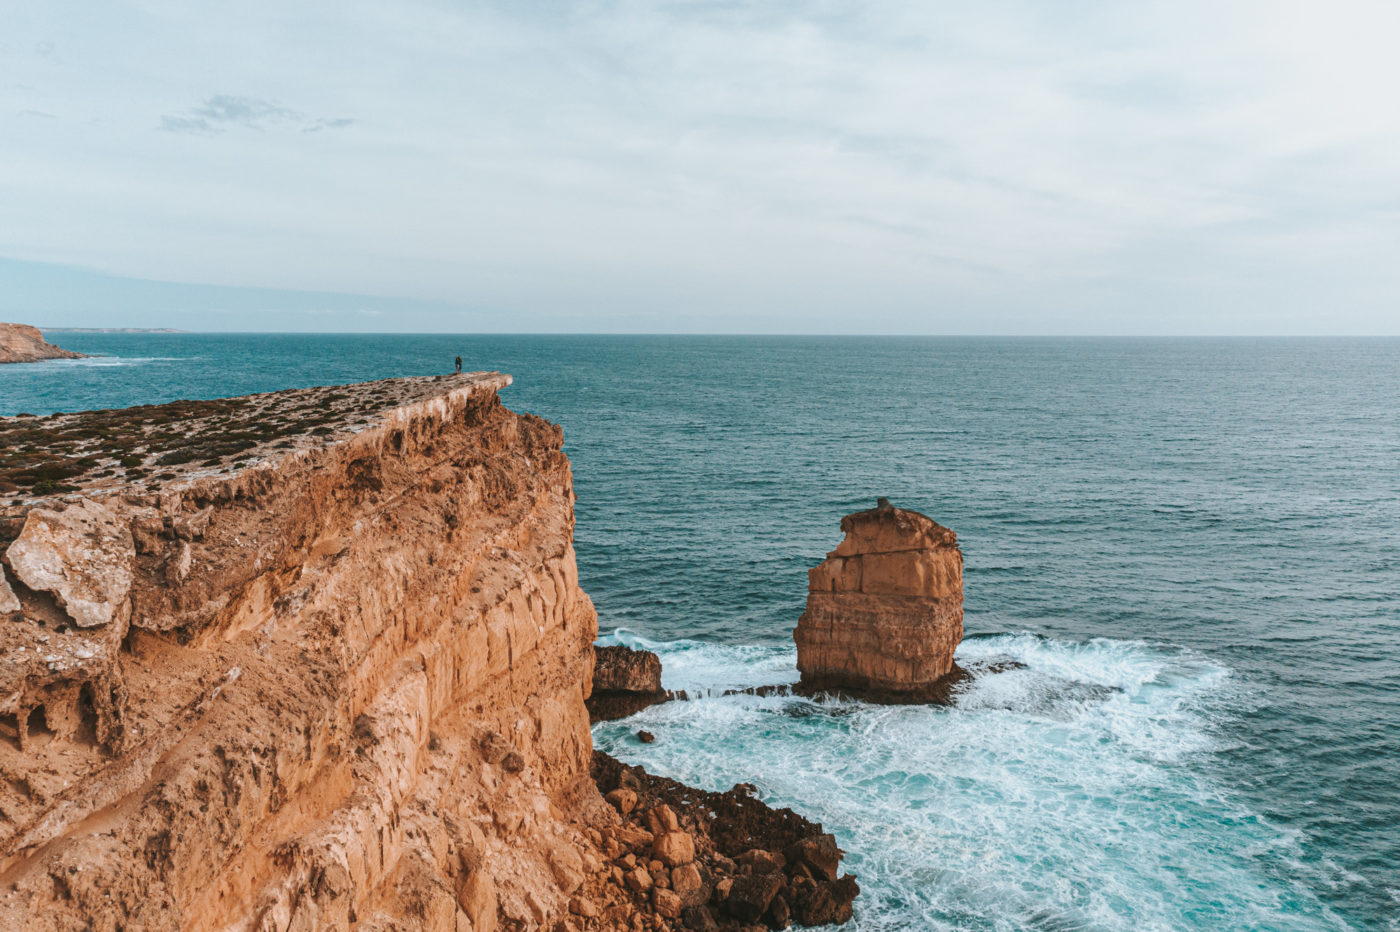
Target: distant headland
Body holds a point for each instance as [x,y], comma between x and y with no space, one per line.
[23,343]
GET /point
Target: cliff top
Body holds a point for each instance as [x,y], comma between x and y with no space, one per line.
[23,343]
[155,444]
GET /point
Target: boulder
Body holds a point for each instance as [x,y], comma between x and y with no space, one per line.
[83,555]
[622,669]
[884,610]
[750,897]
[818,853]
[674,849]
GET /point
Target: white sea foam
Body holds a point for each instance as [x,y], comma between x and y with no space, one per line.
[1070,791]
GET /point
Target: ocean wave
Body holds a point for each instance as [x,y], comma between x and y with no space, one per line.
[1072,790]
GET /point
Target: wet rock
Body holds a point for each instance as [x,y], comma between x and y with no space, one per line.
[625,681]
[750,897]
[622,669]
[762,862]
[818,853]
[827,904]
[779,914]
[645,737]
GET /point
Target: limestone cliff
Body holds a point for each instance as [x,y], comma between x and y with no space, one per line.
[884,609]
[318,659]
[343,683]
[23,343]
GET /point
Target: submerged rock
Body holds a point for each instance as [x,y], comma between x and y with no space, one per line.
[884,610]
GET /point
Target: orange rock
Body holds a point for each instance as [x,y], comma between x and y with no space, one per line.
[674,849]
[884,610]
[667,903]
[622,799]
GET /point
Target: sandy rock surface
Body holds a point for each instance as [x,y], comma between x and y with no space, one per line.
[885,609]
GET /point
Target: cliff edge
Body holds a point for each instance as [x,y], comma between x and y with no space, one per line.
[23,343]
[318,659]
[341,684]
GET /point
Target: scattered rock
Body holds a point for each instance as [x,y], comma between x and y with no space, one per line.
[667,903]
[674,849]
[638,880]
[819,854]
[762,862]
[645,737]
[748,867]
[750,897]
[699,919]
[622,799]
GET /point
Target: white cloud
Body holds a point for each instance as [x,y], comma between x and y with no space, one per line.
[995,167]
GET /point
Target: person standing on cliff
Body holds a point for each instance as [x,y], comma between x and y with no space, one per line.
[459,365]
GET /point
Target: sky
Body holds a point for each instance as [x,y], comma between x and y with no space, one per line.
[922,167]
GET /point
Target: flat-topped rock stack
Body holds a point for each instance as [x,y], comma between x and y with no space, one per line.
[884,609]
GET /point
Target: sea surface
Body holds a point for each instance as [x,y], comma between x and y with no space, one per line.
[1192,545]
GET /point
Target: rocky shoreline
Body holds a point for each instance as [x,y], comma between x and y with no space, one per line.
[23,343]
[331,673]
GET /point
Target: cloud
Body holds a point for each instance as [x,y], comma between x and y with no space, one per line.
[1172,165]
[223,111]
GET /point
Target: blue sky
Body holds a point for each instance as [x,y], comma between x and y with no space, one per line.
[880,167]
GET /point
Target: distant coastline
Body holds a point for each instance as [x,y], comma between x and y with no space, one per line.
[111,330]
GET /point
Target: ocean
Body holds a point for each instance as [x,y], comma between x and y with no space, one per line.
[1192,546]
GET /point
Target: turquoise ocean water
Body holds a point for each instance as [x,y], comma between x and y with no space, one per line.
[1193,546]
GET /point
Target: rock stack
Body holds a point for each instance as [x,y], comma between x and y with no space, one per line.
[884,610]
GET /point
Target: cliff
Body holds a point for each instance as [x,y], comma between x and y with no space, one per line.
[318,659]
[884,609]
[343,683]
[23,343]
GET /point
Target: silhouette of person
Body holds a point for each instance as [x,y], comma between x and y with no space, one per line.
[459,365]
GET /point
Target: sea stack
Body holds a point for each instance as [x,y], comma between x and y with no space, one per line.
[884,609]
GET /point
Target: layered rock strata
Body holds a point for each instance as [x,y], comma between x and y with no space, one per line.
[23,343]
[323,680]
[884,609]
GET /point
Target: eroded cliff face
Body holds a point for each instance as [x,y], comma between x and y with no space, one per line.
[338,683]
[884,609]
[23,343]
